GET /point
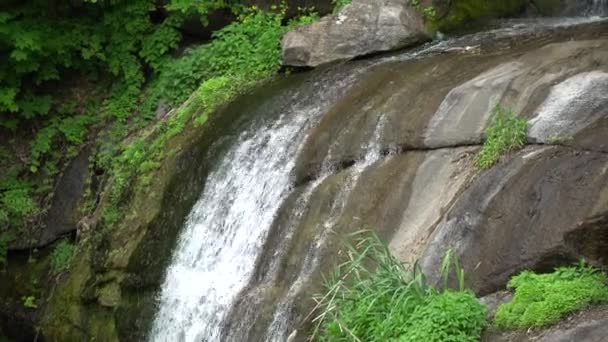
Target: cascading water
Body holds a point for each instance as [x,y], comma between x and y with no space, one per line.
[598,8]
[217,250]
[279,327]
[225,232]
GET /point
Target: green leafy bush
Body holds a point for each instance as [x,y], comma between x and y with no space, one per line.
[543,299]
[371,297]
[29,302]
[242,54]
[506,133]
[448,316]
[61,257]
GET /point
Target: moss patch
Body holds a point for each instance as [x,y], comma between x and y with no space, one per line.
[543,299]
[461,12]
[548,7]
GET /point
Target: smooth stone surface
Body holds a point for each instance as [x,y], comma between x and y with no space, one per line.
[361,28]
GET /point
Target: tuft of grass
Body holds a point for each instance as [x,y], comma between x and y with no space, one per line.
[506,133]
[372,297]
[61,257]
[543,299]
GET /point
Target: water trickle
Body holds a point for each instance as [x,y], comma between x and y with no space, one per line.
[279,329]
[224,232]
[598,8]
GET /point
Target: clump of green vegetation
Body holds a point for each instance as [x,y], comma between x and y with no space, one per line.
[429,12]
[371,297]
[29,302]
[61,257]
[241,55]
[543,299]
[124,47]
[463,12]
[506,133]
[558,140]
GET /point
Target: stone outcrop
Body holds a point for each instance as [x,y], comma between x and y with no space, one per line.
[362,28]
[366,27]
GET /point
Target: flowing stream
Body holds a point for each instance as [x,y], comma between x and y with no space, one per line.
[225,231]
[217,249]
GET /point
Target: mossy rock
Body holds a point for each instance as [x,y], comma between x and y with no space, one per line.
[462,12]
[548,7]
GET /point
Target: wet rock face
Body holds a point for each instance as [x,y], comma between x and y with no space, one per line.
[362,28]
[569,7]
[425,120]
[520,214]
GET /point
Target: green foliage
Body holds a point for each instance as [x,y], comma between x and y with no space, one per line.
[112,43]
[29,302]
[338,5]
[506,133]
[61,257]
[16,201]
[543,299]
[448,316]
[204,7]
[462,12]
[371,297]
[105,38]
[240,55]
[429,12]
[247,50]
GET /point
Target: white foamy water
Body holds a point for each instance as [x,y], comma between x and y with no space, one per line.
[280,329]
[226,229]
[598,8]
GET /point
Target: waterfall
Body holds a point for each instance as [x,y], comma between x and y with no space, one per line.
[217,249]
[280,329]
[225,232]
[598,8]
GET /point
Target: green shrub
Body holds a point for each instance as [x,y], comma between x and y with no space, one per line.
[371,297]
[543,299]
[29,302]
[506,133]
[242,54]
[429,12]
[449,316]
[61,257]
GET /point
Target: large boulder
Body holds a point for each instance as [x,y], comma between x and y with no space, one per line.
[362,28]
[370,26]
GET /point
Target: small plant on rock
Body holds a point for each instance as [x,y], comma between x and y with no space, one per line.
[61,257]
[372,297]
[543,299]
[506,133]
[29,302]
